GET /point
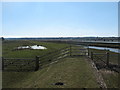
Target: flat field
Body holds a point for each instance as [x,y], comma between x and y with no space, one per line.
[73,72]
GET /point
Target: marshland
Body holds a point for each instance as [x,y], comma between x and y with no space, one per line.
[53,70]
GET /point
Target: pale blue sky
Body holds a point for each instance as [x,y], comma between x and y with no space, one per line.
[60,19]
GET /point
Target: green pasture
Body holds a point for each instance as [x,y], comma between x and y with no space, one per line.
[8,47]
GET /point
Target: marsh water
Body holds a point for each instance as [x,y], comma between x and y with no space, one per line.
[106,48]
[116,50]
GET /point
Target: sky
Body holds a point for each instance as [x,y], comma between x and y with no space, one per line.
[59,19]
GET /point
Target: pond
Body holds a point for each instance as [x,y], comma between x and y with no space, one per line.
[104,41]
[105,48]
[32,47]
[116,50]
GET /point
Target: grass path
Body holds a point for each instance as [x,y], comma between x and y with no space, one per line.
[73,72]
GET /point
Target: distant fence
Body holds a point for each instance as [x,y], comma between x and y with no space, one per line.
[77,50]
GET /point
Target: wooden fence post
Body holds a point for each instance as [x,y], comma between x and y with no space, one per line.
[36,63]
[2,63]
[92,55]
[107,58]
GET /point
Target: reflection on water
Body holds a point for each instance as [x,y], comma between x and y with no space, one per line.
[103,41]
[105,48]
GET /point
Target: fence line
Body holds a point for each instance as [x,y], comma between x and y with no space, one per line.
[54,56]
[18,64]
[21,64]
[33,64]
[99,58]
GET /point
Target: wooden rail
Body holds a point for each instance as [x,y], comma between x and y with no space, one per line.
[33,64]
[21,64]
[100,57]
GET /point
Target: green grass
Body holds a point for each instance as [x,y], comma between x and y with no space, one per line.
[111,79]
[73,72]
[8,46]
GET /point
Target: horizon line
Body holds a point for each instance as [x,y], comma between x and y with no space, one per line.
[53,36]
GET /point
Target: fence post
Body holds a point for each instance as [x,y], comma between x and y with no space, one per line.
[92,55]
[107,62]
[36,63]
[2,63]
[70,50]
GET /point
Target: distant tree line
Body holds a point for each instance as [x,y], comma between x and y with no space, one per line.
[69,38]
